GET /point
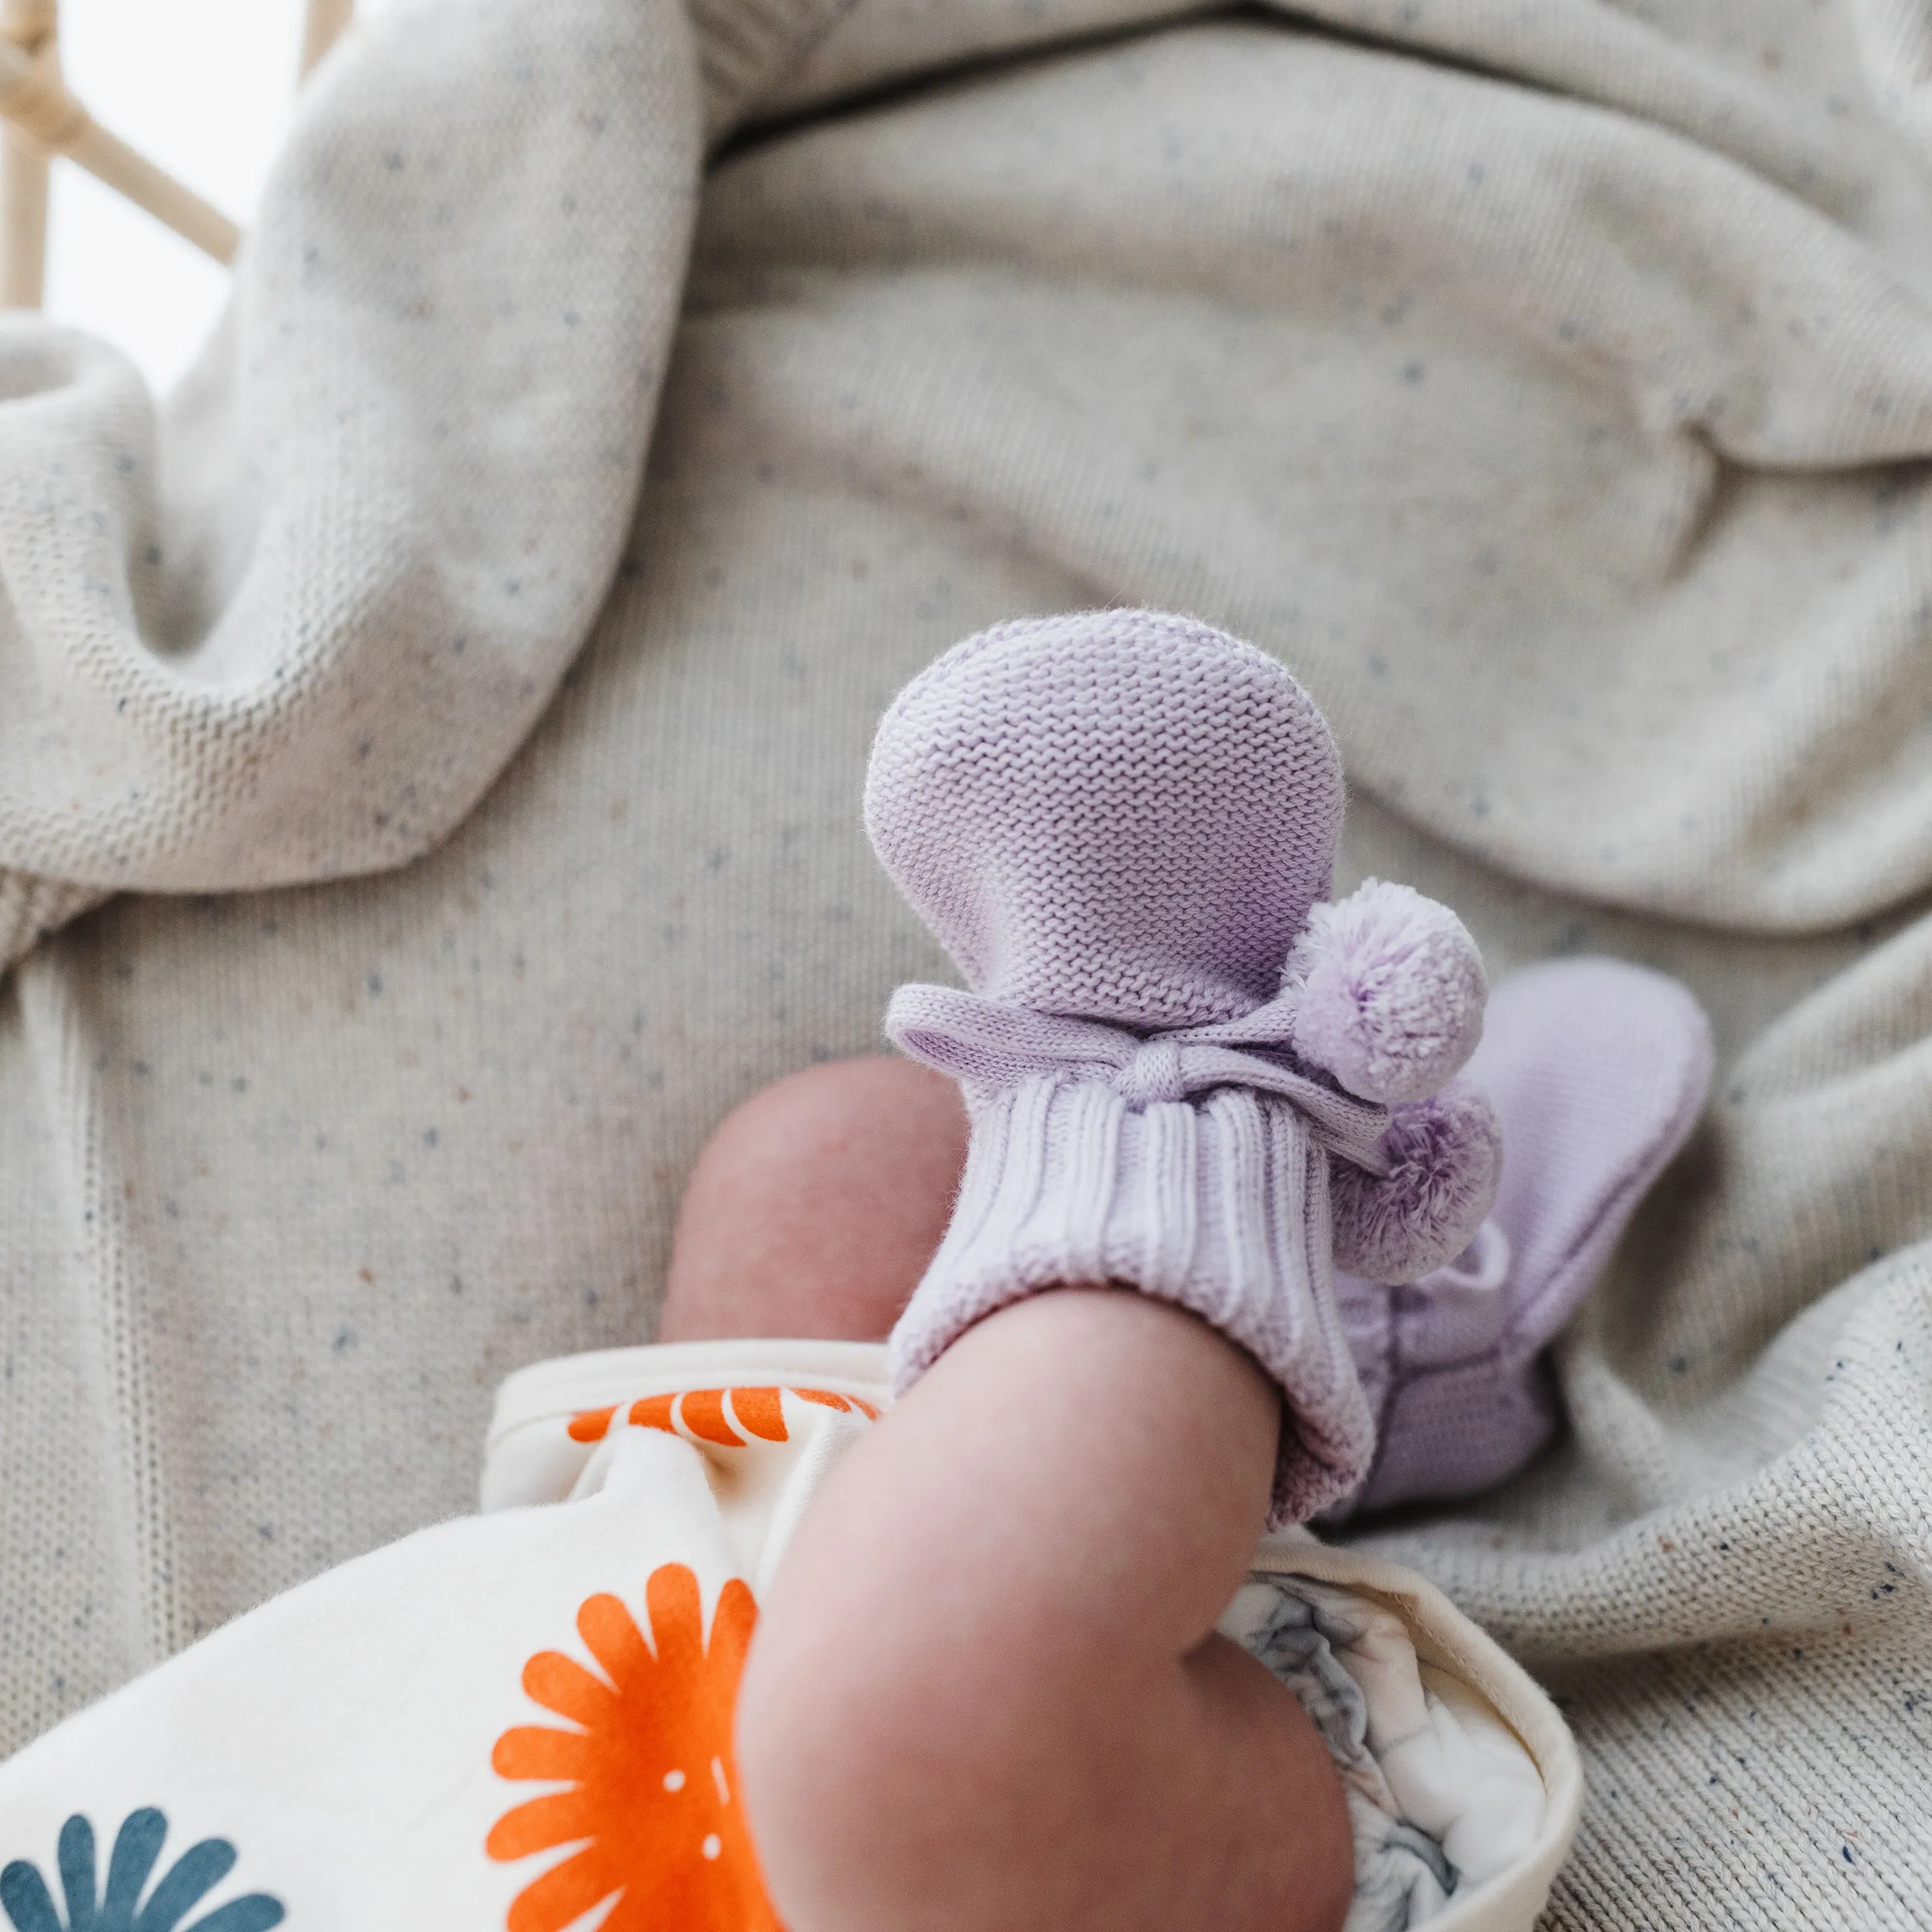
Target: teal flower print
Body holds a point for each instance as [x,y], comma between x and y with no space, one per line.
[137,1846]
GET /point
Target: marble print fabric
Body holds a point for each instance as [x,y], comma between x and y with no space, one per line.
[1403,1877]
[1439,1802]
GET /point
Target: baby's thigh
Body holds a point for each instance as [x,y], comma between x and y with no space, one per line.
[815,1206]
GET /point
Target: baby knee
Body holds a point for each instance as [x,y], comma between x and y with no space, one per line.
[848,1780]
[817,1203]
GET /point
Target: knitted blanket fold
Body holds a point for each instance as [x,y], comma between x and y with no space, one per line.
[292,627]
[460,695]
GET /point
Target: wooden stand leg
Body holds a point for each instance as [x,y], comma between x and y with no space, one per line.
[43,113]
[42,119]
[326,20]
[30,25]
[23,224]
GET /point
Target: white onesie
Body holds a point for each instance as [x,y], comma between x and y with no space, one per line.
[522,1719]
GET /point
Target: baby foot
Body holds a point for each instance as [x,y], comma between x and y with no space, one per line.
[1598,1070]
[1184,1070]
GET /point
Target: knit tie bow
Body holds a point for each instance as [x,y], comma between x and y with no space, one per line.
[992,1044]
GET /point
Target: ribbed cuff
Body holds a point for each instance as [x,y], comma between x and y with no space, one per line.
[1220,1206]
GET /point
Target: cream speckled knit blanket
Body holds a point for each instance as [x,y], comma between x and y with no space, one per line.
[1550,386]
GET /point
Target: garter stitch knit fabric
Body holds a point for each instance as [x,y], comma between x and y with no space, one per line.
[1118,823]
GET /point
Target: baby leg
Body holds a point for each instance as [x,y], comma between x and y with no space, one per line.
[815,1208]
[987,1695]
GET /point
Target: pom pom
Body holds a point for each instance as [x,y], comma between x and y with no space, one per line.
[1445,1156]
[1392,990]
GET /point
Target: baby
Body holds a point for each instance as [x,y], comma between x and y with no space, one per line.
[988,1691]
[1040,1727]
[995,1681]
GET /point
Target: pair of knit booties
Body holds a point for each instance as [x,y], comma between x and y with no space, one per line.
[1190,1070]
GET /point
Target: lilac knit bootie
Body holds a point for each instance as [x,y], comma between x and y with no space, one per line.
[1184,1072]
[1599,1070]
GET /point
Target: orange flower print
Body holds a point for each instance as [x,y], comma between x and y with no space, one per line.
[651,1804]
[729,1417]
